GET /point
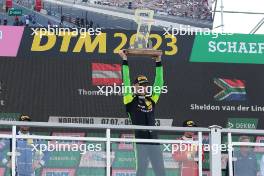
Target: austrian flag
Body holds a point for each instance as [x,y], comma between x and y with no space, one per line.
[106,74]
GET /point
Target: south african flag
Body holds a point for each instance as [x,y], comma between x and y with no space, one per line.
[231,90]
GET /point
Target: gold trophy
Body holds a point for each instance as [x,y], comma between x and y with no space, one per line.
[142,45]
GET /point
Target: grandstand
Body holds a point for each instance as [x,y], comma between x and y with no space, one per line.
[193,9]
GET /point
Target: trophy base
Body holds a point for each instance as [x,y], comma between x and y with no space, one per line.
[143,52]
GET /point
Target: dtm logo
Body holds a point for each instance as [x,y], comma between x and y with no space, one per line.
[1,35]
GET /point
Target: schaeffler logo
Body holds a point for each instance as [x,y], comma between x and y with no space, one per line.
[1,35]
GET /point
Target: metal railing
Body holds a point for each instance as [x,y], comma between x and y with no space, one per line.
[230,133]
[215,136]
[107,139]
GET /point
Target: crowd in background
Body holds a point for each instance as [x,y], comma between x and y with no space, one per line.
[30,20]
[198,9]
[194,9]
[24,20]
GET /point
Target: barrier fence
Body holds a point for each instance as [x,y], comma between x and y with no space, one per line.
[215,139]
